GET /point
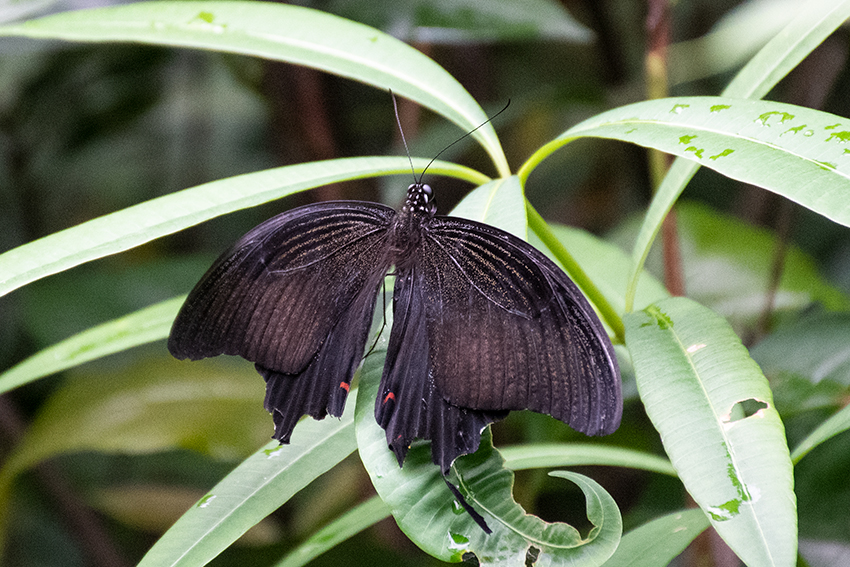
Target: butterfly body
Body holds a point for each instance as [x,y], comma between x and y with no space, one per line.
[483,323]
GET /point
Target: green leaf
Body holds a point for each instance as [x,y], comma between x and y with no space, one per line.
[606,265]
[657,543]
[499,203]
[462,21]
[151,407]
[838,423]
[811,26]
[257,487]
[426,512]
[349,524]
[154,508]
[159,405]
[735,38]
[136,225]
[140,327]
[796,152]
[302,36]
[694,376]
[727,266]
[535,456]
[815,348]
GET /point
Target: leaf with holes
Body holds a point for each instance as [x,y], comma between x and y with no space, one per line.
[427,513]
[714,410]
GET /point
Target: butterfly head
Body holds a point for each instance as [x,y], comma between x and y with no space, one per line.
[420,200]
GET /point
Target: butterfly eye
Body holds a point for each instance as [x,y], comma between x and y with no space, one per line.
[426,190]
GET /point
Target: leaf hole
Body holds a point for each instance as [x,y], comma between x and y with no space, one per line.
[531,556]
[744,409]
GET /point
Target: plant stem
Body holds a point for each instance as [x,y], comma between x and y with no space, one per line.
[608,313]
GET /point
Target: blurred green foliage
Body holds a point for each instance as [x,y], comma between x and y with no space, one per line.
[86,130]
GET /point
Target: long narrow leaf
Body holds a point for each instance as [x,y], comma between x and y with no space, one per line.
[285,33]
[657,543]
[147,221]
[813,24]
[426,511]
[693,375]
[257,487]
[796,152]
[539,455]
[838,423]
[349,524]
[140,327]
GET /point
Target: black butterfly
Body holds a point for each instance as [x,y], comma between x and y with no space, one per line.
[483,323]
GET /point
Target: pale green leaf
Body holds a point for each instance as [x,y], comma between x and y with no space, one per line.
[155,406]
[136,225]
[426,512]
[464,21]
[347,525]
[140,327]
[814,347]
[814,23]
[282,32]
[257,487]
[838,423]
[694,376]
[499,203]
[657,543]
[606,265]
[535,456]
[796,152]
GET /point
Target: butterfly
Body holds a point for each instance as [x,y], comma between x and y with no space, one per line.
[483,324]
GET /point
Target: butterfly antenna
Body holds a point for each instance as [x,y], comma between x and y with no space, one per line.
[403,140]
[398,120]
[462,138]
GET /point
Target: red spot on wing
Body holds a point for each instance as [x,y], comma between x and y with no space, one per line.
[344,386]
[389,397]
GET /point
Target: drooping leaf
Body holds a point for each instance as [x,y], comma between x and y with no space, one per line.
[295,34]
[814,22]
[793,151]
[257,487]
[453,21]
[143,326]
[658,542]
[838,423]
[814,347]
[347,525]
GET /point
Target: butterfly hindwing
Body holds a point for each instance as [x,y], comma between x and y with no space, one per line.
[296,296]
[515,332]
[409,404]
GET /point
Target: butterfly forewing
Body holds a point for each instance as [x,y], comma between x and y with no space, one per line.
[296,296]
[275,295]
[515,332]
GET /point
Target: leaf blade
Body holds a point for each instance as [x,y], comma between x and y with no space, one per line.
[813,24]
[143,326]
[424,508]
[281,32]
[136,225]
[691,372]
[257,487]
